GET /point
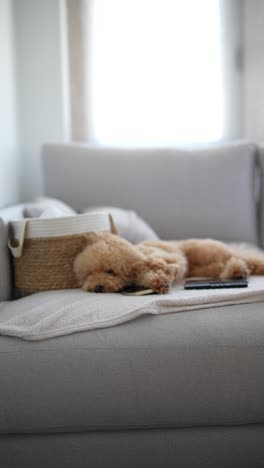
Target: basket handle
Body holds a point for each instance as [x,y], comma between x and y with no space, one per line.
[17,250]
[113,227]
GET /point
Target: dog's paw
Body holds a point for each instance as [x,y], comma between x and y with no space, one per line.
[160,285]
[235,268]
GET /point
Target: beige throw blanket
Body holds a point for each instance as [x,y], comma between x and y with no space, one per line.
[55,313]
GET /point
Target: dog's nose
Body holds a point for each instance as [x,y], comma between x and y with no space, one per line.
[99,289]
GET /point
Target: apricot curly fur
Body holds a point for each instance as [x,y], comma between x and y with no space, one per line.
[109,263]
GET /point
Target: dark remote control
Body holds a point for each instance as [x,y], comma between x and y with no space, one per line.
[215,284]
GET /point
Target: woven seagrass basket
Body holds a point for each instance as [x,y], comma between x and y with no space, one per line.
[44,249]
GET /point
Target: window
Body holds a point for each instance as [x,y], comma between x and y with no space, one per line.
[155,72]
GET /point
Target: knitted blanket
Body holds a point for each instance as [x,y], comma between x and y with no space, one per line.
[55,313]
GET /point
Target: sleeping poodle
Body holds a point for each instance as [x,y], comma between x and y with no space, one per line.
[109,263]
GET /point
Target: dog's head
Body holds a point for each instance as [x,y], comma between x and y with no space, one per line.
[110,264]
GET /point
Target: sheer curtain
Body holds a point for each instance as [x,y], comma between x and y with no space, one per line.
[154,72]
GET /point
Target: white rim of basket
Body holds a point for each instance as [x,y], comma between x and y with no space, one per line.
[36,228]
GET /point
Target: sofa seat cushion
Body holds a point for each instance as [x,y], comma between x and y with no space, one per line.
[188,369]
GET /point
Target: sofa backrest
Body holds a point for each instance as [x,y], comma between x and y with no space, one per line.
[182,193]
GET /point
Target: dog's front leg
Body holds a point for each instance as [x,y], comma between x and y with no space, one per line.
[157,281]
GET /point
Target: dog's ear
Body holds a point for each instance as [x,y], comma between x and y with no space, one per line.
[93,237]
[91,258]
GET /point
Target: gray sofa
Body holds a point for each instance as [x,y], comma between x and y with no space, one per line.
[178,390]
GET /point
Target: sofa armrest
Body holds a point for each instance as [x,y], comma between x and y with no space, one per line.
[5,269]
[6,214]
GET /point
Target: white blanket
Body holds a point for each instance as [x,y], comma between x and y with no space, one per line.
[55,313]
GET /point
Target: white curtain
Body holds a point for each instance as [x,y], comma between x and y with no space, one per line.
[157,72]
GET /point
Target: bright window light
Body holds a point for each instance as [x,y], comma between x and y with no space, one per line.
[156,72]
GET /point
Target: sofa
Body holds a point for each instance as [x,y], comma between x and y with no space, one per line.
[178,390]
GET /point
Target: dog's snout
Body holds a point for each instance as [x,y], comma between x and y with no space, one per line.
[99,289]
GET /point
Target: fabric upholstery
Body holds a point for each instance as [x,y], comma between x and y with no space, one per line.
[199,368]
[5,269]
[181,193]
[49,314]
[200,447]
[129,224]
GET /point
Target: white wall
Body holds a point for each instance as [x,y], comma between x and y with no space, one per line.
[253,89]
[41,84]
[9,187]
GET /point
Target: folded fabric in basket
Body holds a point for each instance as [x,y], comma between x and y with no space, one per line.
[55,313]
[45,207]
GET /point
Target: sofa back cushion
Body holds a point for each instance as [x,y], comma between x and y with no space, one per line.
[129,225]
[181,193]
